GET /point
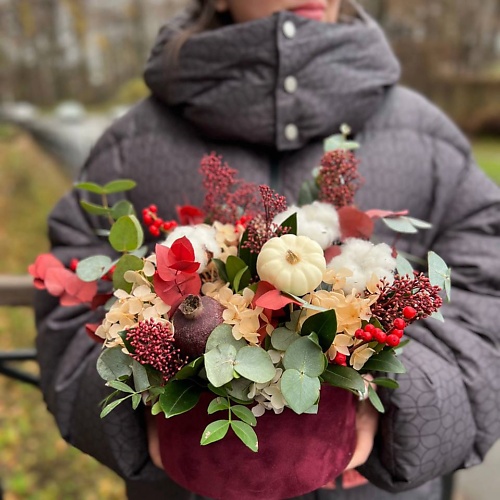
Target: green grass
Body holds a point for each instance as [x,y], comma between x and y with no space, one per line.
[487,154]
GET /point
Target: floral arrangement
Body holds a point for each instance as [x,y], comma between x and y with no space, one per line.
[254,301]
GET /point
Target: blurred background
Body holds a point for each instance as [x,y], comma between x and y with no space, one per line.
[68,68]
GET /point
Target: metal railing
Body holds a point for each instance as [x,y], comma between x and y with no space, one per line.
[17,291]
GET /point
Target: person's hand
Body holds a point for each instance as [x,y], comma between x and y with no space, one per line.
[153,441]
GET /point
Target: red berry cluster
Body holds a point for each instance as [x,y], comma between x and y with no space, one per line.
[155,223]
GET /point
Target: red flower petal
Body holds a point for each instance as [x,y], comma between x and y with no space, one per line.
[190,215]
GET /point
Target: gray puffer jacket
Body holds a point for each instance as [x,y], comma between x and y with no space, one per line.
[264,95]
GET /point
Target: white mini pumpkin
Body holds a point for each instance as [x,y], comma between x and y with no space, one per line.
[293,264]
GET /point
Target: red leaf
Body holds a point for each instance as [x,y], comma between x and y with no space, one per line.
[182,250]
[274,300]
[39,268]
[180,257]
[173,292]
[190,215]
[381,214]
[355,223]
[332,252]
[100,299]
[69,287]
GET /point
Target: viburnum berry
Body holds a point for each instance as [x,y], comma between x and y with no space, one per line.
[409,312]
[399,323]
[359,333]
[369,328]
[392,340]
[380,336]
[397,332]
[340,359]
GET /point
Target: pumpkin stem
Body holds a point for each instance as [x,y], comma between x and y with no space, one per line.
[291,257]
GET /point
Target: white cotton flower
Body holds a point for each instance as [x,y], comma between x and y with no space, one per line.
[365,260]
[318,221]
[203,239]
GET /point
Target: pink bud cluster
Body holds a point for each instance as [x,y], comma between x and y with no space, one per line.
[226,197]
[414,299]
[153,344]
[338,179]
[262,228]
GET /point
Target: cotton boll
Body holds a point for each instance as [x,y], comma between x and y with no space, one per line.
[203,239]
[318,221]
[364,259]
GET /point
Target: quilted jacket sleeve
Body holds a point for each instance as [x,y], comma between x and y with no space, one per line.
[444,416]
[67,356]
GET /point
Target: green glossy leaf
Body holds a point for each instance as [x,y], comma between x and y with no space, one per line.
[218,391]
[156,408]
[119,185]
[385,361]
[404,267]
[255,364]
[324,324]
[94,209]
[385,382]
[214,432]
[400,224]
[113,364]
[136,401]
[141,379]
[248,257]
[120,386]
[291,224]
[243,413]
[91,187]
[93,268]
[179,397]
[306,357]
[246,434]
[219,364]
[217,404]
[223,334]
[191,369]
[221,269]
[126,235]
[234,266]
[308,192]
[121,208]
[238,390]
[124,264]
[282,338]
[375,400]
[299,390]
[344,377]
[109,408]
[242,279]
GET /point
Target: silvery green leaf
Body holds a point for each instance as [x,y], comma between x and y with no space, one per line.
[305,356]
[223,334]
[400,224]
[404,267]
[282,337]
[219,364]
[299,390]
[255,364]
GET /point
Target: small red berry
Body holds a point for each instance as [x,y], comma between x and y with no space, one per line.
[392,340]
[367,337]
[369,328]
[153,208]
[399,323]
[155,231]
[340,359]
[380,336]
[359,333]
[397,332]
[73,264]
[409,312]
[148,220]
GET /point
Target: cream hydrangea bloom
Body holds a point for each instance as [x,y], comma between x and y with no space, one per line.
[268,396]
[341,344]
[360,356]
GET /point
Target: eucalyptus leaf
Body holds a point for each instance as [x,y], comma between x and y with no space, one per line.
[214,432]
[93,209]
[219,364]
[439,273]
[93,268]
[375,400]
[126,234]
[308,192]
[246,434]
[124,264]
[437,316]
[344,377]
[91,187]
[400,224]
[385,361]
[113,364]
[255,364]
[121,208]
[223,334]
[218,404]
[179,397]
[282,338]
[238,390]
[419,224]
[305,356]
[299,390]
[218,391]
[119,185]
[243,413]
[324,324]
[404,267]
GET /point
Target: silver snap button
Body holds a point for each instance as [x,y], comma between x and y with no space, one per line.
[291,132]
[290,84]
[289,29]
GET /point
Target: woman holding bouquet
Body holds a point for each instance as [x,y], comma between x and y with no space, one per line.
[263,83]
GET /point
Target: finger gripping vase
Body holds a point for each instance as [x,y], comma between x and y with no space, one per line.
[297,453]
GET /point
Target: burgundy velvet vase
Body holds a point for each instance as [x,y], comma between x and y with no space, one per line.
[297,453]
